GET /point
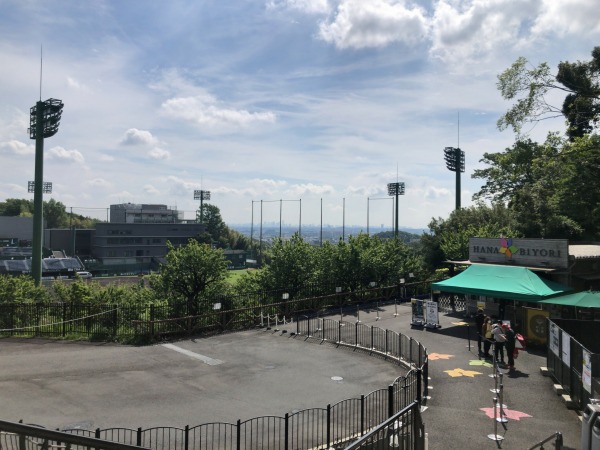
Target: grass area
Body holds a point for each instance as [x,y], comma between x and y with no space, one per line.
[234,275]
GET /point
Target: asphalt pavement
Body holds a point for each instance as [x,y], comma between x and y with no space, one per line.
[259,372]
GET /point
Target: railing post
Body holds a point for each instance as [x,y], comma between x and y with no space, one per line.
[239,435]
[115,320]
[64,324]
[419,395]
[328,425]
[356,334]
[187,437]
[362,415]
[286,439]
[97,433]
[386,343]
[152,316]
[339,339]
[297,325]
[139,437]
[410,353]
[390,400]
[372,338]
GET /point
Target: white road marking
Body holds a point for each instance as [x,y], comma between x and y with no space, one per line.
[204,359]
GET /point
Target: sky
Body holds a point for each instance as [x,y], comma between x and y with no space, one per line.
[302,110]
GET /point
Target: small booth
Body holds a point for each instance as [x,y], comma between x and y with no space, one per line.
[518,279]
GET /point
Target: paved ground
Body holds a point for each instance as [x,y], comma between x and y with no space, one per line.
[244,375]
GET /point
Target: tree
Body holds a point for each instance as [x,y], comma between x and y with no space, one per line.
[533,181]
[191,272]
[218,232]
[580,81]
[448,239]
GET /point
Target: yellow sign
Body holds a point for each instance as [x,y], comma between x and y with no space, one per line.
[536,325]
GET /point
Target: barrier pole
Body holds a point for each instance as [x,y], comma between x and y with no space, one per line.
[377,308]
[395,307]
[502,419]
[495,436]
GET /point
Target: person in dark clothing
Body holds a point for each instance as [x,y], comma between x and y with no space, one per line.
[510,335]
[479,319]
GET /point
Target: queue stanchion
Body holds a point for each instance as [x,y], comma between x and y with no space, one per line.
[493,350]
[377,309]
[495,436]
[357,313]
[502,418]
[395,307]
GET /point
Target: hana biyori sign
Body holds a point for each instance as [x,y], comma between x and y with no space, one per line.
[552,253]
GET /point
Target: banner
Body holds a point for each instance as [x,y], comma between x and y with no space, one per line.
[554,339]
[431,316]
[418,317]
[566,349]
[586,373]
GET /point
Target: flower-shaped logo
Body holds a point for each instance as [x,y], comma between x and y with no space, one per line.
[507,247]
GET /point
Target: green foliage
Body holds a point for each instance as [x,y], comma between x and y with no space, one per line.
[218,232]
[192,272]
[55,213]
[351,265]
[448,239]
[552,187]
[22,289]
[580,81]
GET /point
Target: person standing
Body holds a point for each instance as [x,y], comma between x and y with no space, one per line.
[510,335]
[486,331]
[479,319]
[499,340]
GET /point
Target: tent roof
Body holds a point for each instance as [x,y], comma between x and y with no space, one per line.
[586,299]
[509,282]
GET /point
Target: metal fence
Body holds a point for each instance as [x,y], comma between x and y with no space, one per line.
[19,436]
[403,431]
[331,427]
[573,358]
[158,321]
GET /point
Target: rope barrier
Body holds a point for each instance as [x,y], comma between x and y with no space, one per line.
[56,323]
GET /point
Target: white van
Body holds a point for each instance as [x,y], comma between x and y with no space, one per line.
[84,275]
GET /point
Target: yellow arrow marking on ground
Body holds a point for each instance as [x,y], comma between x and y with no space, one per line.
[480,362]
[460,323]
[462,373]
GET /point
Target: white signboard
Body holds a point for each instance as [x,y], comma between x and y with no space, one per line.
[431,314]
[586,373]
[525,252]
[566,349]
[554,338]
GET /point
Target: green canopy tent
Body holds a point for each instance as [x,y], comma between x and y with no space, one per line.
[586,299]
[508,282]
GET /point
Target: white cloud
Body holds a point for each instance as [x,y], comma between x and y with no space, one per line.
[99,183]
[159,153]
[133,136]
[377,23]
[16,148]
[310,189]
[204,111]
[151,190]
[62,154]
[568,17]
[467,29]
[306,6]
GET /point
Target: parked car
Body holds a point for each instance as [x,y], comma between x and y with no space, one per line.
[84,275]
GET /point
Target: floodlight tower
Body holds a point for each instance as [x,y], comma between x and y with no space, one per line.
[455,162]
[396,189]
[201,195]
[44,119]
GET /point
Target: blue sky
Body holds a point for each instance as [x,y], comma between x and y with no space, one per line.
[323,101]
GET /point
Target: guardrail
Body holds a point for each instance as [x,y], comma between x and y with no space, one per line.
[19,436]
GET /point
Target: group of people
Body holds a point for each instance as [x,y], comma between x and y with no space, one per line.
[498,334]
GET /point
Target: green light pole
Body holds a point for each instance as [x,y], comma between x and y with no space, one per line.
[455,162]
[396,189]
[44,119]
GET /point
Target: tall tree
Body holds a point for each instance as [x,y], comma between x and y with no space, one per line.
[192,271]
[448,239]
[530,86]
